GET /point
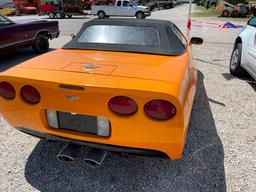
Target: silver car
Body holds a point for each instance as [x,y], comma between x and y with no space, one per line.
[244,54]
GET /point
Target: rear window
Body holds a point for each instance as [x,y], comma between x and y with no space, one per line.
[127,35]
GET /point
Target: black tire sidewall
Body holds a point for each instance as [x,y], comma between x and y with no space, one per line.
[41,44]
[58,15]
[53,15]
[235,14]
[140,13]
[103,14]
[225,11]
[238,70]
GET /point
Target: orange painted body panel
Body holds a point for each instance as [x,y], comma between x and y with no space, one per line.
[142,77]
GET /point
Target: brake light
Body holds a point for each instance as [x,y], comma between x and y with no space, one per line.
[7,90]
[123,105]
[30,94]
[160,109]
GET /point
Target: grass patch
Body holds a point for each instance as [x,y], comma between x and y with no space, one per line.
[200,11]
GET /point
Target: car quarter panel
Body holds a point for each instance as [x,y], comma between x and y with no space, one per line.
[10,35]
[31,30]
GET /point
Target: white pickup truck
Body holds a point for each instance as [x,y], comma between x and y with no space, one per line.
[126,8]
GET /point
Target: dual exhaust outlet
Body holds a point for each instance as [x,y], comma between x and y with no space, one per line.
[70,152]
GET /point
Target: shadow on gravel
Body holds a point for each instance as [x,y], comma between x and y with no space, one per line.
[247,77]
[201,168]
[12,59]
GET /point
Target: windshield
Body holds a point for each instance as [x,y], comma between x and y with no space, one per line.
[4,21]
[127,35]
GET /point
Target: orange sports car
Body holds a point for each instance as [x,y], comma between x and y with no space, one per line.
[121,85]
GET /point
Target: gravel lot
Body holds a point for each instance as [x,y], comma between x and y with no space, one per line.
[220,153]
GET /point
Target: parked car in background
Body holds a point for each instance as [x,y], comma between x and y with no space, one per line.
[15,35]
[7,11]
[124,8]
[244,54]
[21,6]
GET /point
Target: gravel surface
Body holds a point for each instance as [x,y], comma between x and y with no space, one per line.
[220,149]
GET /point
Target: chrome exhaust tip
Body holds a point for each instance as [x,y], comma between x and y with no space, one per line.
[95,157]
[69,153]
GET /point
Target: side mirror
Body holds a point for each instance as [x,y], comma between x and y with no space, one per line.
[196,40]
[73,36]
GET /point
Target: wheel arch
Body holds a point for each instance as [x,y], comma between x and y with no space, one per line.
[44,32]
[238,40]
[101,11]
[139,11]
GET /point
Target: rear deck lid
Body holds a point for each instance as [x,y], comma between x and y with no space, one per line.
[90,68]
[119,64]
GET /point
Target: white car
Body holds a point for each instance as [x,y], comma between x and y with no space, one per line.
[125,8]
[244,54]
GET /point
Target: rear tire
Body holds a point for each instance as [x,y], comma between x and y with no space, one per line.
[140,15]
[69,16]
[51,15]
[59,15]
[225,13]
[235,14]
[41,44]
[235,61]
[101,14]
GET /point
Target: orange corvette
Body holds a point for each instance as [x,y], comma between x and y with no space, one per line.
[121,85]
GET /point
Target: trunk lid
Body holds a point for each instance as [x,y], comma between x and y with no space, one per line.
[119,64]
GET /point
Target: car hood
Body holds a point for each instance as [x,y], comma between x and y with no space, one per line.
[142,7]
[129,65]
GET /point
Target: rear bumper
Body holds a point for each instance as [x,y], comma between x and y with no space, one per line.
[112,148]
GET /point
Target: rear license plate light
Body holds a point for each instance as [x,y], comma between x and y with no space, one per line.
[96,125]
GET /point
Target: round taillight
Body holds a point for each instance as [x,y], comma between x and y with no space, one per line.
[7,90]
[30,94]
[123,105]
[160,109]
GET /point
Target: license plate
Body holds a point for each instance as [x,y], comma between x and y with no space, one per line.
[77,122]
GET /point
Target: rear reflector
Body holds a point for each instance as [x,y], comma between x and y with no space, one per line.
[30,94]
[7,90]
[123,105]
[160,109]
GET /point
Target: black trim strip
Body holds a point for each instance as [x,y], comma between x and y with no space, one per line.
[113,148]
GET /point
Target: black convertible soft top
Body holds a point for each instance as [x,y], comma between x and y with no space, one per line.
[169,43]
